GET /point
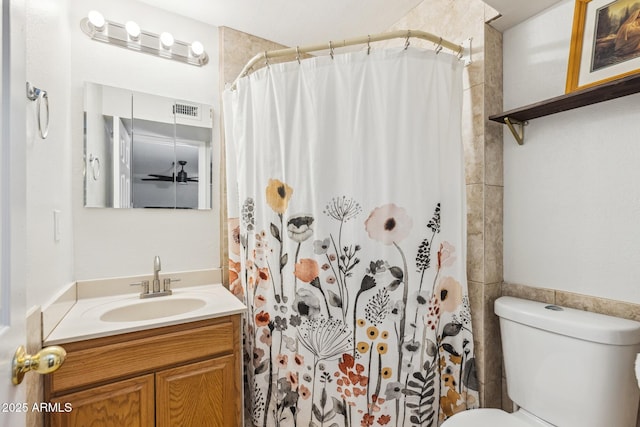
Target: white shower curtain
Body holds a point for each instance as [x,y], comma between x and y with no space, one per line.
[347,219]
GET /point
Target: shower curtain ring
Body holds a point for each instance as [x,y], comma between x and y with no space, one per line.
[330,49]
[439,46]
[368,44]
[266,59]
[298,54]
[406,42]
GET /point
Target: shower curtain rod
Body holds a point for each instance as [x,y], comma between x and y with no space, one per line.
[463,50]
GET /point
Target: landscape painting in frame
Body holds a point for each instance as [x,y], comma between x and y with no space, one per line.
[605,42]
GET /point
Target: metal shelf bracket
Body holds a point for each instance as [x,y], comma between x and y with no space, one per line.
[511,124]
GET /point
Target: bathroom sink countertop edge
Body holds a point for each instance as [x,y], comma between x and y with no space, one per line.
[85,319]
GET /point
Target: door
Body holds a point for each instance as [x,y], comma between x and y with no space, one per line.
[12,207]
[121,142]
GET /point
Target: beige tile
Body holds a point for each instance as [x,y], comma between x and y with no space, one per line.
[493,101]
[493,219]
[454,20]
[472,138]
[481,395]
[479,350]
[475,232]
[529,292]
[609,307]
[491,335]
[493,394]
[493,58]
[493,154]
[493,104]
[475,258]
[507,403]
[237,48]
[474,158]
[477,94]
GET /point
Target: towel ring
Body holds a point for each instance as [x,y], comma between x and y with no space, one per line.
[40,96]
[94,161]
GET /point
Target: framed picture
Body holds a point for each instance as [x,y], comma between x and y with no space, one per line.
[605,42]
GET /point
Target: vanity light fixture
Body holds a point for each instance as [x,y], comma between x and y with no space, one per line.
[133,30]
[131,36]
[96,20]
[197,49]
[166,40]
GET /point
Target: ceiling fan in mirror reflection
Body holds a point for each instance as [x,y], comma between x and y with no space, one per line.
[181,178]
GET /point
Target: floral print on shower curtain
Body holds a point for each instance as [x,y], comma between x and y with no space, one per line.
[358,311]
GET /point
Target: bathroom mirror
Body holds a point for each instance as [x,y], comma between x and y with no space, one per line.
[145,151]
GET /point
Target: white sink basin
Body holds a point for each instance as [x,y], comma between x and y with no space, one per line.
[152,309]
[95,317]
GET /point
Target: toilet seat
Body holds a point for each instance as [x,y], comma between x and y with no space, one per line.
[488,418]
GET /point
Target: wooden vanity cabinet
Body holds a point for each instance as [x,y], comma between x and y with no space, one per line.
[183,375]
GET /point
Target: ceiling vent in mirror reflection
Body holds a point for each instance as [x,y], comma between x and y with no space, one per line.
[186,110]
[153,151]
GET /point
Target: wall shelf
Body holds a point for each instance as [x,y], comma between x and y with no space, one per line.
[519,117]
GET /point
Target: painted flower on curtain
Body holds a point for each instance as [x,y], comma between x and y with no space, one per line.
[278,195]
[388,224]
[333,340]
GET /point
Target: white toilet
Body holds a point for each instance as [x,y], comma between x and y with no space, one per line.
[564,368]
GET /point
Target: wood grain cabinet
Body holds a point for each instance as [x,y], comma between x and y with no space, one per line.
[185,375]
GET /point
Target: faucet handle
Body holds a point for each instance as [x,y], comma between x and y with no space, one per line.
[167,283]
[144,284]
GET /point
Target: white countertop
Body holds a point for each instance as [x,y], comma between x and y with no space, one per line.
[83,321]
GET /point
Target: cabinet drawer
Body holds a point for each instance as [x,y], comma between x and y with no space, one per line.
[87,366]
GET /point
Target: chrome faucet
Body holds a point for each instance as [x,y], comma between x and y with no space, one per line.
[154,290]
[156,276]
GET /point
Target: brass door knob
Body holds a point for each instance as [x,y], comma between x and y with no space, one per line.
[45,361]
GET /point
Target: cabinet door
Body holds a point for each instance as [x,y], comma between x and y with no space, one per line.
[128,403]
[200,394]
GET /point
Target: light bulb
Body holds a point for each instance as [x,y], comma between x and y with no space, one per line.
[166,39]
[197,49]
[96,20]
[133,30]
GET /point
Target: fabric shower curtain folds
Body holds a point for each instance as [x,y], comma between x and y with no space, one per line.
[347,222]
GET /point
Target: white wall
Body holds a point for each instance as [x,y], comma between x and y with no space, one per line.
[49,263]
[123,242]
[98,243]
[572,192]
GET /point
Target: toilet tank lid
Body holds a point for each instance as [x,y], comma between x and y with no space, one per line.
[579,324]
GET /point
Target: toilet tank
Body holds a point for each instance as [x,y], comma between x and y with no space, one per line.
[569,367]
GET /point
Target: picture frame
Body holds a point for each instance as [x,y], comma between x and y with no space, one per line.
[605,42]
